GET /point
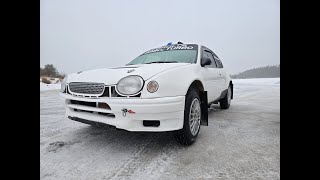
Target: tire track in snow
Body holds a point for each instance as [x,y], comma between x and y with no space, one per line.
[133,163]
[148,161]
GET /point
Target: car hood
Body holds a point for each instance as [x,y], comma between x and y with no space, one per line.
[111,76]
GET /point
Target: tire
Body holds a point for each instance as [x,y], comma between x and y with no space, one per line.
[226,101]
[192,111]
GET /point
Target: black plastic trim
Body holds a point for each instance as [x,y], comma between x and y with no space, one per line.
[204,108]
[153,123]
[91,122]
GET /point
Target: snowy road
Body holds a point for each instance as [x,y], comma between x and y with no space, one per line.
[242,142]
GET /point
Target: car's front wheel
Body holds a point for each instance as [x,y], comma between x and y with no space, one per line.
[192,116]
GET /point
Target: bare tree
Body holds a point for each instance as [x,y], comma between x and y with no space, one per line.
[49,70]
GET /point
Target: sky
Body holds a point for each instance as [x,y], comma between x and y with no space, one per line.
[77,35]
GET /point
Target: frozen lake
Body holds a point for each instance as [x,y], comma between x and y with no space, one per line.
[242,142]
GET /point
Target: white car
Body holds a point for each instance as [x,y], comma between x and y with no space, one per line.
[164,89]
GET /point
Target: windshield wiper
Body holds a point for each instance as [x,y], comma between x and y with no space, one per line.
[162,62]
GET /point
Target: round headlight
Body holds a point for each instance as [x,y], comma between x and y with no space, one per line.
[130,85]
[152,86]
[63,84]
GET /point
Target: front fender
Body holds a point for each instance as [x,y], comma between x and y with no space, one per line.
[173,82]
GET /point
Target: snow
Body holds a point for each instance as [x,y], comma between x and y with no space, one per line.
[48,87]
[54,85]
[242,142]
[257,81]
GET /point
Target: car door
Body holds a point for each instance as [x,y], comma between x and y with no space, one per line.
[222,74]
[210,74]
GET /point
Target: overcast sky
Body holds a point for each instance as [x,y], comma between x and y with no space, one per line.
[86,34]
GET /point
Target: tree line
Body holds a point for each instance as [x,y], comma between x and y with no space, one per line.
[50,71]
[261,72]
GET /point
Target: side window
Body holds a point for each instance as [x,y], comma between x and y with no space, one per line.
[219,63]
[210,56]
[221,66]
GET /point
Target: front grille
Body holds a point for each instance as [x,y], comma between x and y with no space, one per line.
[86,88]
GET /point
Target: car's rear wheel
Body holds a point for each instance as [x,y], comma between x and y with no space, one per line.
[192,116]
[226,101]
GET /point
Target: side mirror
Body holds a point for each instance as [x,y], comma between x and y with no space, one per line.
[205,61]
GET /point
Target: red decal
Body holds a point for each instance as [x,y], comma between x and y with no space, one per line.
[130,111]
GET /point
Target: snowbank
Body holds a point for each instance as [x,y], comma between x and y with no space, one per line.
[54,85]
[47,87]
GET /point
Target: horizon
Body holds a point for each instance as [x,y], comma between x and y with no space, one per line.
[61,72]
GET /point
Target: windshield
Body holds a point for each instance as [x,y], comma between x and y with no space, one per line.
[178,53]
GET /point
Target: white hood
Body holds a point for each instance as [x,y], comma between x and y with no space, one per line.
[110,76]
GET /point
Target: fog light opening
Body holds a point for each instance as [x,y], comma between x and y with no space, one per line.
[103,105]
[151,123]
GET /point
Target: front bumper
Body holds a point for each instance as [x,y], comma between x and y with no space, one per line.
[169,111]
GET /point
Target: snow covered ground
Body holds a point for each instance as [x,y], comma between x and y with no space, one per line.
[47,87]
[54,85]
[257,81]
[242,142]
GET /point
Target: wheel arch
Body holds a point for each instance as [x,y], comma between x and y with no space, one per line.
[197,84]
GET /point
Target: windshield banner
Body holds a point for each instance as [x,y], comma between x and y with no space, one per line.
[173,47]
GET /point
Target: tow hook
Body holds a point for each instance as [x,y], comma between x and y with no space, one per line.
[124,112]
